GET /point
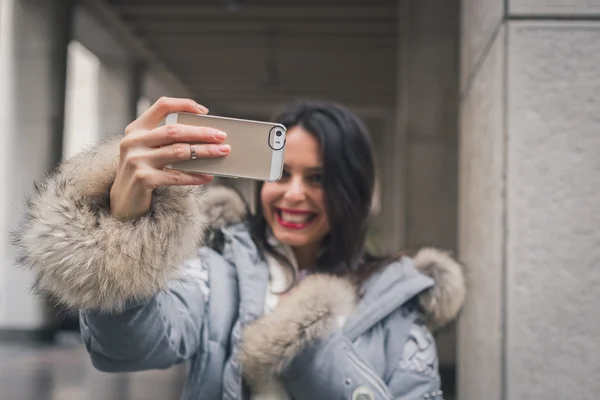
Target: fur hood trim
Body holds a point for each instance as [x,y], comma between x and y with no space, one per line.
[314,309]
[320,304]
[85,259]
[442,302]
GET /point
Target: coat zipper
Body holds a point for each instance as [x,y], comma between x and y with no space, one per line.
[371,377]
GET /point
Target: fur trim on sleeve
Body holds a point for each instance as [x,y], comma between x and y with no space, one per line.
[316,308]
[85,259]
[443,301]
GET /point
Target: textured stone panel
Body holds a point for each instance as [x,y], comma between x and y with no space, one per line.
[555,7]
[481,227]
[553,248]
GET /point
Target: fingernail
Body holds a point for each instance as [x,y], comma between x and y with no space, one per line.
[202,108]
[220,135]
[206,178]
[224,148]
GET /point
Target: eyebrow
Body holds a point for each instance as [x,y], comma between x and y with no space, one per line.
[317,168]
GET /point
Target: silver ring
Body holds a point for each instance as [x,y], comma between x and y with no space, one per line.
[193,151]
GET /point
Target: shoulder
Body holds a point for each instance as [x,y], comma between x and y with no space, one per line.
[227,215]
[221,239]
[432,279]
[225,206]
[227,249]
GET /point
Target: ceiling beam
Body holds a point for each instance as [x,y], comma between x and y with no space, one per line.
[226,102]
[289,28]
[261,13]
[139,49]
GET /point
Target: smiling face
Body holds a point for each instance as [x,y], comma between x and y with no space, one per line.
[294,206]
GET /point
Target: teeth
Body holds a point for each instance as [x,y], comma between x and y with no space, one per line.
[295,218]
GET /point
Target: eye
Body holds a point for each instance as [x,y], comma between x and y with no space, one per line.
[285,175]
[316,179]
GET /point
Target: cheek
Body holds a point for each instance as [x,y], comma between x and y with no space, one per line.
[318,199]
[268,194]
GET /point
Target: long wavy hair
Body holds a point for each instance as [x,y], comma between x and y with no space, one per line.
[348,179]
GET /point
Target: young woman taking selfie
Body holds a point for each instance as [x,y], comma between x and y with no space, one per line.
[284,303]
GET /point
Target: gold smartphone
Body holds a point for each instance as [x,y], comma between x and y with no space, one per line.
[256,148]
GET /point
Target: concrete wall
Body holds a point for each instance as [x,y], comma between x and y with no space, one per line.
[529,182]
[29,47]
[82,125]
[427,111]
[33,49]
[6,120]
[415,128]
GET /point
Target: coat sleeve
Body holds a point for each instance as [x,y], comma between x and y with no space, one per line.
[153,334]
[139,296]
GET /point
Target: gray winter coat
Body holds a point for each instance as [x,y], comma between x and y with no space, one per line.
[151,296]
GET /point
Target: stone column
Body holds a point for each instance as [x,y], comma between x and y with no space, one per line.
[33,40]
[529,205]
[427,111]
[120,89]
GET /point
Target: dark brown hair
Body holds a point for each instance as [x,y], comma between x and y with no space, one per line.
[348,180]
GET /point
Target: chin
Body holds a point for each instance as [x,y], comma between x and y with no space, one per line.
[292,239]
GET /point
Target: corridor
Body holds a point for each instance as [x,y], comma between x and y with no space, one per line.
[485,125]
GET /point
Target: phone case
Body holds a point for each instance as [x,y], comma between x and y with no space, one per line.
[256,147]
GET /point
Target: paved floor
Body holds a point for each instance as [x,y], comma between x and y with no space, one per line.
[64,372]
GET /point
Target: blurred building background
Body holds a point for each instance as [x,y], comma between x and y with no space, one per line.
[486,121]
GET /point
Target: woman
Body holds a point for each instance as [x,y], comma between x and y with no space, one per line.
[282,304]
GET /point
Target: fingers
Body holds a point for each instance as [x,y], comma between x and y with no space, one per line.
[182,152]
[152,178]
[159,110]
[176,133]
[180,178]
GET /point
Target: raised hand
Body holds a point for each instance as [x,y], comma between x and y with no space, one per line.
[146,149]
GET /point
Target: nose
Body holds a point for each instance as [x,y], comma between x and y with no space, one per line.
[295,192]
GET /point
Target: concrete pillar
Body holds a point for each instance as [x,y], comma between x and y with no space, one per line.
[389,142]
[33,39]
[430,99]
[427,109]
[82,125]
[8,122]
[529,184]
[386,235]
[120,74]
[119,93]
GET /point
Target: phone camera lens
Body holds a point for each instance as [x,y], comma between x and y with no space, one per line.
[278,133]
